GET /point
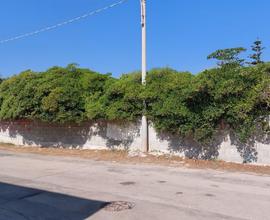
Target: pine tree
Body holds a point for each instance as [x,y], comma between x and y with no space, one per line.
[228,57]
[257,48]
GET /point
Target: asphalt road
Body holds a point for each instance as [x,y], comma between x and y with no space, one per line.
[46,187]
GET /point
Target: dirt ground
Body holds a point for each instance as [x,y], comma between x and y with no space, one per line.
[124,157]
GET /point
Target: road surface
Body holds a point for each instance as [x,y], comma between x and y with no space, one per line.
[46,187]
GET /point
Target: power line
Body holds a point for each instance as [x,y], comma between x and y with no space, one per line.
[48,28]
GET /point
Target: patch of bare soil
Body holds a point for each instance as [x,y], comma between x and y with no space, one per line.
[123,157]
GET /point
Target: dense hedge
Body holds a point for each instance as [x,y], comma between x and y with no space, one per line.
[198,105]
[178,102]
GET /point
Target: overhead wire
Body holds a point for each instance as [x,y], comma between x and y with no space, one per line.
[70,21]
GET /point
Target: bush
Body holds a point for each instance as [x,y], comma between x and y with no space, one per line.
[57,95]
[121,100]
[176,102]
[197,105]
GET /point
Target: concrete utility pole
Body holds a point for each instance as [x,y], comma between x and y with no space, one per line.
[144,134]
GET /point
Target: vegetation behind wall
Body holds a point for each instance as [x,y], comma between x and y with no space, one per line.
[177,102]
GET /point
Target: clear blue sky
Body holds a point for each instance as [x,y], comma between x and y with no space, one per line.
[181,33]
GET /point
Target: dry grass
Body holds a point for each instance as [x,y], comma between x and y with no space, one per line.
[123,157]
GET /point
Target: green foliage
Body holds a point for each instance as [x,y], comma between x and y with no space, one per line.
[165,96]
[177,102]
[257,48]
[234,97]
[122,100]
[198,105]
[228,56]
[57,95]
[17,96]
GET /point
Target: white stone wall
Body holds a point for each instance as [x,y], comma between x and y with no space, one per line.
[109,135]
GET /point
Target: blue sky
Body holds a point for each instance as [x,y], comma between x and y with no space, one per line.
[181,33]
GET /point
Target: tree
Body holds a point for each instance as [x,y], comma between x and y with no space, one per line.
[257,48]
[228,56]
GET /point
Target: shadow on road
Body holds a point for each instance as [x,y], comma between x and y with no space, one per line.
[18,202]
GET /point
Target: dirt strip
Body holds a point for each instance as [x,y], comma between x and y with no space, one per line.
[124,157]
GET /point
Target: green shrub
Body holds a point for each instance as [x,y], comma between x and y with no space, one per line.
[177,102]
[121,100]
